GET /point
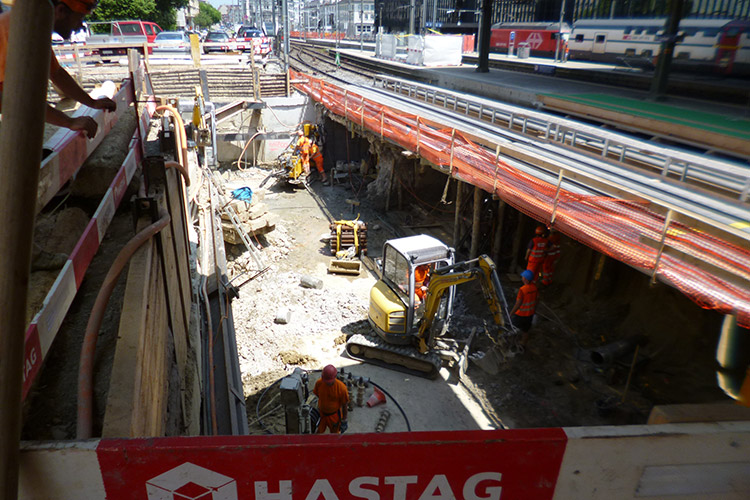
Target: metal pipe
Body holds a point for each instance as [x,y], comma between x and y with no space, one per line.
[21,140]
[181,169]
[475,220]
[733,357]
[606,354]
[86,365]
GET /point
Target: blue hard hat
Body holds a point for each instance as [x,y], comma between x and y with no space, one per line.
[527,275]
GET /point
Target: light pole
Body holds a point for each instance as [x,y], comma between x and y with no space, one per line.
[336,29]
[361,25]
[559,29]
[412,8]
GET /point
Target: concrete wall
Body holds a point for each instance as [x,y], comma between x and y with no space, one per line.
[279,120]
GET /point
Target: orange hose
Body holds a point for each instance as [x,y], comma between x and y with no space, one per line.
[181,137]
[86,365]
[181,169]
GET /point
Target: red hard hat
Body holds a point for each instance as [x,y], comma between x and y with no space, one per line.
[540,230]
[329,373]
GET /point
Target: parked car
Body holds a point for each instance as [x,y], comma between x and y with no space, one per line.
[172,42]
[126,33]
[252,39]
[218,41]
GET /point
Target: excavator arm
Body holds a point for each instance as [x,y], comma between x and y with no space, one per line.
[481,268]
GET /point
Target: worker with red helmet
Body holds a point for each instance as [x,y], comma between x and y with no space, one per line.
[536,251]
[550,260]
[333,398]
[525,306]
[68,17]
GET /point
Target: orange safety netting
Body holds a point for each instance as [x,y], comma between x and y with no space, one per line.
[622,229]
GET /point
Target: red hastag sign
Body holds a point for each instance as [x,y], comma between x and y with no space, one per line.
[468,465]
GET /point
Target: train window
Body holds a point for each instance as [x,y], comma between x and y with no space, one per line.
[647,53]
[732,32]
[600,38]
[710,32]
[629,52]
[627,30]
[579,38]
[682,55]
[652,31]
[689,32]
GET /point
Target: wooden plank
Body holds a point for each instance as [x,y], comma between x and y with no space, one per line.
[150,405]
[178,311]
[119,409]
[178,210]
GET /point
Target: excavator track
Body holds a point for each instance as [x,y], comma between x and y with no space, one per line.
[402,358]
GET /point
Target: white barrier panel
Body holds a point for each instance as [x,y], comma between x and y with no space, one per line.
[442,50]
[415,50]
[659,462]
[388,46]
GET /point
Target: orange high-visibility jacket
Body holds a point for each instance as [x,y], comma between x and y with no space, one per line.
[528,295]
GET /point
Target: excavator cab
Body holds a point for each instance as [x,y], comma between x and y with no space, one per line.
[395,307]
[407,328]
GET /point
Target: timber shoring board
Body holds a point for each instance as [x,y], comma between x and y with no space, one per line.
[178,311]
[178,209]
[137,397]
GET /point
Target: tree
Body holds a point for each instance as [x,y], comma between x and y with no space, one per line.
[207,16]
[162,12]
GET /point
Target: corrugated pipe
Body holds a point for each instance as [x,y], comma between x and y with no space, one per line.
[181,169]
[86,365]
[181,138]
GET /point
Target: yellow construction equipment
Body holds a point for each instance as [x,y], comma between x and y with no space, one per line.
[406,327]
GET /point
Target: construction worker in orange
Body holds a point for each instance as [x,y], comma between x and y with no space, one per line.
[553,253]
[536,251]
[421,280]
[333,398]
[316,155]
[525,306]
[303,149]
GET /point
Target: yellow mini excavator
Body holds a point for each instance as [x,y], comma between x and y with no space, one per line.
[406,327]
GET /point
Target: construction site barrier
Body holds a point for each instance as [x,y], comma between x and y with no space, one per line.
[626,230]
[70,150]
[699,461]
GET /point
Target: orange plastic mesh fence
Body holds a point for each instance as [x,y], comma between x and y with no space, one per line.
[622,229]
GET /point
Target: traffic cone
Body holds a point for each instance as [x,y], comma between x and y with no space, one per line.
[377,398]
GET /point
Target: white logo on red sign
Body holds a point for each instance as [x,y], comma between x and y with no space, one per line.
[191,481]
[534,40]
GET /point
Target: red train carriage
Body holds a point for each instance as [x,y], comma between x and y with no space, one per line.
[541,37]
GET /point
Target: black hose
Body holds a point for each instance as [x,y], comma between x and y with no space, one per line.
[408,427]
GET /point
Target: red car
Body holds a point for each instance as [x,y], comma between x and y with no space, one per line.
[250,38]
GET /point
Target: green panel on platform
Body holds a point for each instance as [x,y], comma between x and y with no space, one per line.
[712,122]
